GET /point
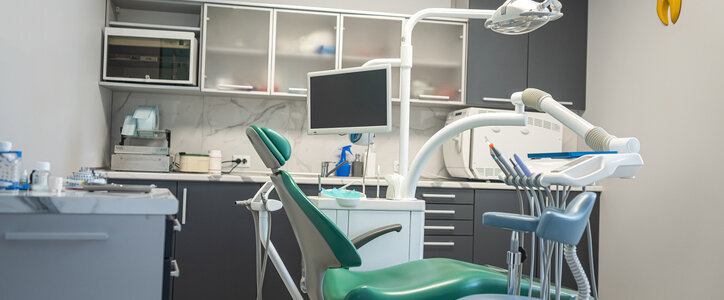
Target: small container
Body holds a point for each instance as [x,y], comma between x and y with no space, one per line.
[215,161]
[40,177]
[9,167]
[193,163]
[357,166]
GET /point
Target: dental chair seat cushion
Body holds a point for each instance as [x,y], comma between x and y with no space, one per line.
[427,279]
[514,222]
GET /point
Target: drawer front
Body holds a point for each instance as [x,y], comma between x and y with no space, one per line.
[448,212]
[448,227]
[454,247]
[445,196]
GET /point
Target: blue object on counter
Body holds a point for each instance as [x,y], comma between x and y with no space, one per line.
[343,171]
[566,154]
[325,49]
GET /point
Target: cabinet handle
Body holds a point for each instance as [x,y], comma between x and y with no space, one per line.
[504,100]
[176,225]
[433,97]
[56,236]
[183,206]
[440,244]
[175,271]
[235,87]
[430,227]
[439,196]
[439,212]
[565,102]
[297,90]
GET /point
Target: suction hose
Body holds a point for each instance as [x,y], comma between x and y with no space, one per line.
[584,288]
[596,138]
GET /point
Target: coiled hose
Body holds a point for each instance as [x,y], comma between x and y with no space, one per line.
[584,288]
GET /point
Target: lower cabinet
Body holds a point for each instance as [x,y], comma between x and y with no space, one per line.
[216,248]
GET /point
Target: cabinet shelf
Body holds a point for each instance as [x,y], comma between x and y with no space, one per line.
[237,51]
[153,26]
[150,88]
[310,56]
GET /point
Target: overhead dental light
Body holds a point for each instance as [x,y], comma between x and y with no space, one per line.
[523,16]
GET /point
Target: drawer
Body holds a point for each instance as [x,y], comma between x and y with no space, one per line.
[448,227]
[448,212]
[445,196]
[454,247]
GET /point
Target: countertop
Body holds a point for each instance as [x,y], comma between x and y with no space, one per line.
[370,204]
[157,202]
[309,178]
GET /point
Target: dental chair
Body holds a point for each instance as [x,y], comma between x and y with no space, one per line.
[327,254]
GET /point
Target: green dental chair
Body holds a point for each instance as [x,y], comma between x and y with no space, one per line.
[327,254]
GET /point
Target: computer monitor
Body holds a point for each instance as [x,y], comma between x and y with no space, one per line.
[351,100]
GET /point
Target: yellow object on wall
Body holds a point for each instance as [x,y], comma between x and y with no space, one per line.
[662,8]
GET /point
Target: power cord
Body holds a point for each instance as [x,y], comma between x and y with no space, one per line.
[237,162]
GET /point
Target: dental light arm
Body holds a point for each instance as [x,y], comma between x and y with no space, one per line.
[596,137]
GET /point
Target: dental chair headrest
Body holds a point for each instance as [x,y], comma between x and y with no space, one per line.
[273,148]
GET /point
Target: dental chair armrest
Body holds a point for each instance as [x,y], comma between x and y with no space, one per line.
[367,237]
[515,222]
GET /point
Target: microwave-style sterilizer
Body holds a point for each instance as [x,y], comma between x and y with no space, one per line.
[467,155]
[150,56]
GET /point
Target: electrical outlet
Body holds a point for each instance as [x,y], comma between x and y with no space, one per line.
[396,166]
[245,160]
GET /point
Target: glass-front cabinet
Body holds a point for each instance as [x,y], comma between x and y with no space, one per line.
[305,42]
[438,60]
[237,49]
[369,37]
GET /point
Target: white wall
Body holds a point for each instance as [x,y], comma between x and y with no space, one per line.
[662,233]
[51,107]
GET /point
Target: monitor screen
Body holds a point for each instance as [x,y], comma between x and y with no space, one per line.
[352,100]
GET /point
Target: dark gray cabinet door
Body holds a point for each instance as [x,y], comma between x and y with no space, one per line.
[496,64]
[557,59]
[216,247]
[491,244]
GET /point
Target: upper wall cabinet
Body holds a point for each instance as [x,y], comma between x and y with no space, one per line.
[551,58]
[437,61]
[369,37]
[305,42]
[557,60]
[497,63]
[237,42]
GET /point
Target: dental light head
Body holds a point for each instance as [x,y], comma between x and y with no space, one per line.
[523,16]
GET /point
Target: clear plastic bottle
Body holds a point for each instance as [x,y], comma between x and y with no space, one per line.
[40,177]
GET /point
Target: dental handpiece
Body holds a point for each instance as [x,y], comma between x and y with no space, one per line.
[497,161]
[522,165]
[501,159]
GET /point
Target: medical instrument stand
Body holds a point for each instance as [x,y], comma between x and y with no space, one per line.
[260,206]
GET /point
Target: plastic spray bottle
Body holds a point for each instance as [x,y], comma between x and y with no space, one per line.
[343,171]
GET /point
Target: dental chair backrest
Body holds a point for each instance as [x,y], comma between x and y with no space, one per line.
[322,243]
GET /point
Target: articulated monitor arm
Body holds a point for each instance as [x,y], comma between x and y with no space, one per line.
[596,137]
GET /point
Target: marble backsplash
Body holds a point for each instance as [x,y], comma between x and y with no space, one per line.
[202,123]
